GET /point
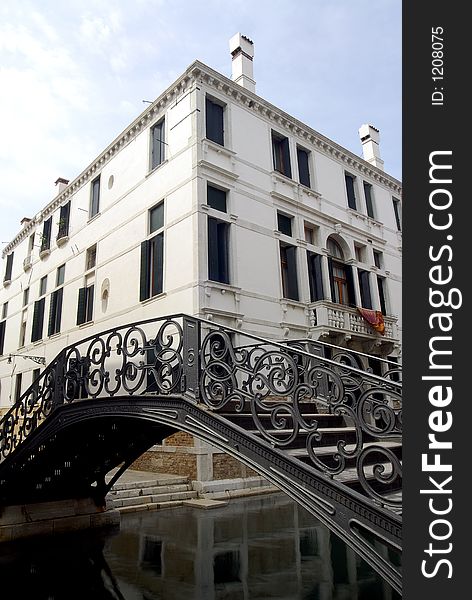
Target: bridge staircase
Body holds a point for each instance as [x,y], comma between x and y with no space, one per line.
[313,419]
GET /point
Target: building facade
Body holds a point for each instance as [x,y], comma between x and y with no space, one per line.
[215,203]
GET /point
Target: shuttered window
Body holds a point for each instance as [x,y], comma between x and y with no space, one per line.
[303,168]
[381,286]
[85,305]
[152,267]
[38,320]
[46,237]
[157,144]
[8,267]
[95,198]
[218,255]
[350,189]
[55,312]
[64,217]
[364,286]
[315,276]
[281,154]
[2,336]
[369,200]
[288,268]
[214,121]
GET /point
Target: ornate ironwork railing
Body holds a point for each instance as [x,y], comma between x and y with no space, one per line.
[284,389]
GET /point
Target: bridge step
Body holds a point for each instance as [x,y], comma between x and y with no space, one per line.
[148,491]
[329,436]
[326,453]
[153,499]
[247,422]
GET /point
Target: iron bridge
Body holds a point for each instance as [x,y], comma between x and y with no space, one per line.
[307,416]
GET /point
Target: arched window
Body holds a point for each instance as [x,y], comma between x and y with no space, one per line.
[340,275]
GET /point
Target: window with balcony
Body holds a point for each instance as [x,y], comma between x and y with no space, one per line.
[152,256]
[288,270]
[381,284]
[158,144]
[340,275]
[350,190]
[64,216]
[95,197]
[46,235]
[303,166]
[281,154]
[214,121]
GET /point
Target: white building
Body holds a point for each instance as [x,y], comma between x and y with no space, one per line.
[213,202]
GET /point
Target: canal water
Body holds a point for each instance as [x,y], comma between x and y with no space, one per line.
[255,548]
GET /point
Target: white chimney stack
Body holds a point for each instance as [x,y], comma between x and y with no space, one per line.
[242,51]
[61,185]
[370,139]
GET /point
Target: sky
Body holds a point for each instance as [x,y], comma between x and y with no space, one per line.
[74,74]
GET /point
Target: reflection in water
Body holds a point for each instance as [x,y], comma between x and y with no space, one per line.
[255,548]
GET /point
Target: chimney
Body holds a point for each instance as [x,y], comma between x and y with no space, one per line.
[25,221]
[242,51]
[61,184]
[370,139]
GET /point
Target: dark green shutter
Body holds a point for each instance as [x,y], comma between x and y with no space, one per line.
[81,306]
[46,241]
[315,276]
[331,279]
[2,336]
[292,282]
[38,320]
[383,305]
[89,302]
[213,268]
[303,170]
[157,246]
[350,286]
[368,199]
[287,169]
[223,270]
[351,196]
[364,284]
[144,275]
[9,267]
[52,314]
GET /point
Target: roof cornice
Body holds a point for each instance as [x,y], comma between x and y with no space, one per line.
[198,71]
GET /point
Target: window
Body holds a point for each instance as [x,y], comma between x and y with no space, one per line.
[152,256]
[315,276]
[55,312]
[340,275]
[4,310]
[157,144]
[281,153]
[214,121]
[397,211]
[309,234]
[64,216]
[25,297]
[46,235]
[382,295]
[18,381]
[38,320]
[288,268]
[218,243]
[22,339]
[43,284]
[216,198]
[30,245]
[156,218]
[85,305]
[369,199]
[378,259]
[284,224]
[350,189]
[364,286]
[303,166]
[61,271]
[8,268]
[91,257]
[2,336]
[95,197]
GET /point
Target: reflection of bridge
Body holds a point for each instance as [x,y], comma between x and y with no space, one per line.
[324,430]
